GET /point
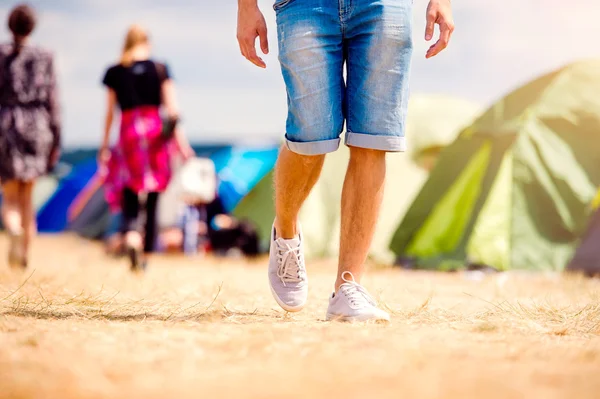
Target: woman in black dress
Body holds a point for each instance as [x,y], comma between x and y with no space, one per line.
[29,129]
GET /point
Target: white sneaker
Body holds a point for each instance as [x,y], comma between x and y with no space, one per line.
[287,272]
[352,302]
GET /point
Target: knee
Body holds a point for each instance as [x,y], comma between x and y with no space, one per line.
[305,160]
[26,194]
[367,157]
[312,160]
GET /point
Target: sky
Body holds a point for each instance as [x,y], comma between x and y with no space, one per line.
[497,46]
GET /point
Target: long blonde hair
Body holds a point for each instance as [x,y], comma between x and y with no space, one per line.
[136,35]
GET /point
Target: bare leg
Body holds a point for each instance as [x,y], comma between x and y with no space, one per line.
[27,215]
[12,219]
[295,176]
[11,213]
[361,200]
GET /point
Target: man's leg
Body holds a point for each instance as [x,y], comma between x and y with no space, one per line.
[295,176]
[379,48]
[312,57]
[361,200]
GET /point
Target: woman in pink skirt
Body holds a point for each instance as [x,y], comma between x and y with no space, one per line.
[139,87]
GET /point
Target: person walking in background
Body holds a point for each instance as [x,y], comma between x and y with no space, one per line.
[29,129]
[373,38]
[139,86]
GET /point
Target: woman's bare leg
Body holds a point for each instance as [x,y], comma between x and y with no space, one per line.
[12,220]
[28,224]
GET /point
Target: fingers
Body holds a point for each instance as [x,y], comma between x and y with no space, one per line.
[430,25]
[247,45]
[254,58]
[446,29]
[264,41]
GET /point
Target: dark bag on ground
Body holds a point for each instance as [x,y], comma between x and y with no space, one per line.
[243,237]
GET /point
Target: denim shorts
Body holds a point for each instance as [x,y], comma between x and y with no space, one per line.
[373,39]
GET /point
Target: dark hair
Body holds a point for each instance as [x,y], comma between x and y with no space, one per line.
[21,23]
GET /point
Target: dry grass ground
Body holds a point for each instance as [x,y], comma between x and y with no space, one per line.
[78,325]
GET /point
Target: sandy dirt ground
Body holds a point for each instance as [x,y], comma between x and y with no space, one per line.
[78,325]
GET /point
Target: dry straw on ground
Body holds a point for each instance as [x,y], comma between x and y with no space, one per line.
[78,325]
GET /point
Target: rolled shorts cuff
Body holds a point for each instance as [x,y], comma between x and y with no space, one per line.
[376,142]
[313,147]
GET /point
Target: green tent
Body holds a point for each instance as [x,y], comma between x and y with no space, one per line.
[434,121]
[513,190]
[320,215]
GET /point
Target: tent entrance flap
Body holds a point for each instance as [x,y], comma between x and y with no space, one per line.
[446,232]
[454,159]
[489,241]
[443,229]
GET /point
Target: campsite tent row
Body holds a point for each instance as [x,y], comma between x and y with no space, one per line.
[76,203]
[512,191]
[72,199]
[320,215]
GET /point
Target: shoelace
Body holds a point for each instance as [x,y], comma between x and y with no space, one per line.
[290,263]
[357,295]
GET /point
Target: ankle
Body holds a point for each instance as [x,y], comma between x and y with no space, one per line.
[13,227]
[337,285]
[287,231]
[16,231]
[339,281]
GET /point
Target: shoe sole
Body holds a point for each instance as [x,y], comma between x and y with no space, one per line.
[356,319]
[284,306]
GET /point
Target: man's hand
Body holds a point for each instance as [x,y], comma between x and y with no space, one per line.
[439,12]
[251,24]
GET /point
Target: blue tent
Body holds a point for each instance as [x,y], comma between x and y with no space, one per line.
[52,216]
[240,169]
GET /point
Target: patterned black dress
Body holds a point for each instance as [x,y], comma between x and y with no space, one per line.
[29,113]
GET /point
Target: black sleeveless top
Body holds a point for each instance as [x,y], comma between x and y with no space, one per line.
[138,84]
